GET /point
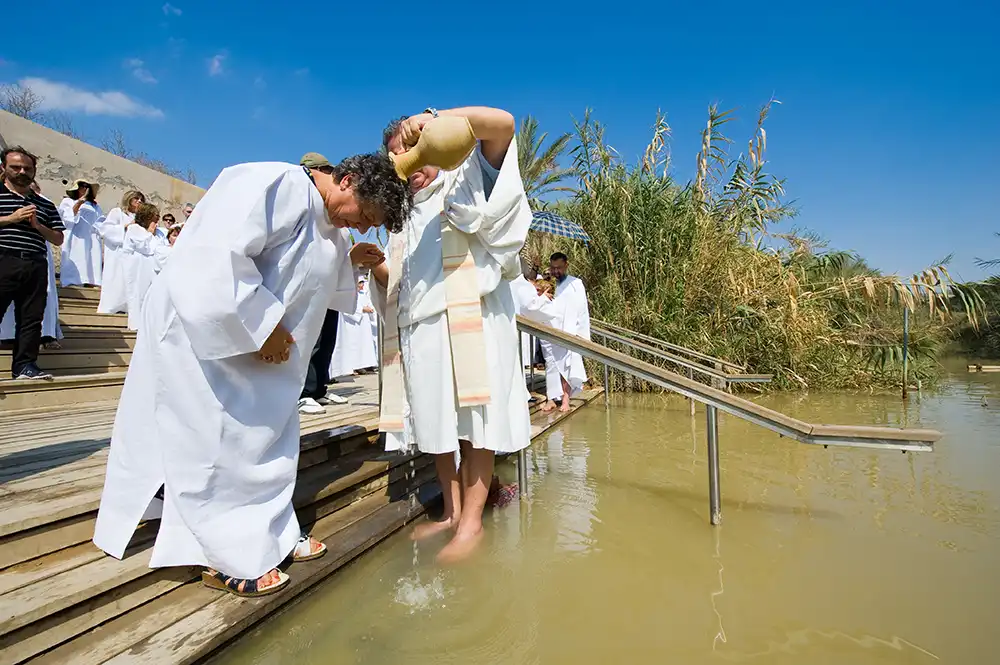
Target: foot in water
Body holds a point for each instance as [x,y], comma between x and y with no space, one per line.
[428,529]
[461,547]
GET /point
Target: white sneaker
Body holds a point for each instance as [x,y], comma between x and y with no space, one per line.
[309,405]
[333,398]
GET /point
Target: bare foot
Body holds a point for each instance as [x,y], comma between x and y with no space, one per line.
[548,406]
[461,547]
[427,529]
[565,405]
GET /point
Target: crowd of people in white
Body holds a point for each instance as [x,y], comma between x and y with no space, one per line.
[120,252]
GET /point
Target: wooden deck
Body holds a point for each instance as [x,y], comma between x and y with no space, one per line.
[64,601]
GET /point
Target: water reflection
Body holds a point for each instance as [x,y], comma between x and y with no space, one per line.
[826,557]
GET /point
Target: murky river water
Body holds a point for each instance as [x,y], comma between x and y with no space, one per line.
[825,557]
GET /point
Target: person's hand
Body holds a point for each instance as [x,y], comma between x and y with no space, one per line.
[409,130]
[366,255]
[277,347]
[25,214]
[83,197]
[368,310]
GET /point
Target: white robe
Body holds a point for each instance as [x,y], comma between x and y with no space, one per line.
[355,347]
[560,363]
[114,297]
[199,413]
[50,320]
[80,261]
[496,229]
[139,266]
[535,307]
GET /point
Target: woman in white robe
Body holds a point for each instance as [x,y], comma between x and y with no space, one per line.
[355,347]
[139,260]
[484,200]
[80,260]
[209,411]
[114,297]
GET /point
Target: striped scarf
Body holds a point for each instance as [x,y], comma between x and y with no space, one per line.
[465,329]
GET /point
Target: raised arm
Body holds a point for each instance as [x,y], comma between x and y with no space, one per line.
[494,128]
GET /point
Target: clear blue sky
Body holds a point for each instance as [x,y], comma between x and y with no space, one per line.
[887,133]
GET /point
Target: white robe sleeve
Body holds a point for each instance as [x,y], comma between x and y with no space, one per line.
[66,213]
[111,229]
[501,221]
[160,255]
[213,280]
[138,241]
[584,310]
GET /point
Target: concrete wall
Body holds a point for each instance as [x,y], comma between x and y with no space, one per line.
[63,158]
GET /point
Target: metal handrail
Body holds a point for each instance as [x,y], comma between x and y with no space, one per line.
[677,360]
[667,345]
[916,440]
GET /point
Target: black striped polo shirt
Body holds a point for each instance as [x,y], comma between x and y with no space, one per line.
[21,237]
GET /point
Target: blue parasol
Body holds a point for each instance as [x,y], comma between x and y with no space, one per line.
[547,222]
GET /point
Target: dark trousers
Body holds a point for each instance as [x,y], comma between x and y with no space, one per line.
[24,281]
[319,363]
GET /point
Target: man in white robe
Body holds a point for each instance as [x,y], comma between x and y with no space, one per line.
[564,370]
[208,411]
[483,200]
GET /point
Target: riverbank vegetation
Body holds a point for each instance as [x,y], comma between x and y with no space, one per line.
[706,264]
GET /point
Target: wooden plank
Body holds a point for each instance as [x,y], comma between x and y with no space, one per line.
[82,292]
[117,635]
[201,632]
[73,362]
[58,395]
[52,593]
[94,320]
[11,473]
[26,511]
[70,558]
[62,411]
[27,545]
[54,630]
[48,596]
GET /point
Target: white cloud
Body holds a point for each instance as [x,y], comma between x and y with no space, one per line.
[215,64]
[62,97]
[169,9]
[138,69]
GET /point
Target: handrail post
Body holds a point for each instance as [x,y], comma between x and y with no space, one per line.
[606,385]
[714,494]
[531,360]
[522,472]
[691,376]
[522,455]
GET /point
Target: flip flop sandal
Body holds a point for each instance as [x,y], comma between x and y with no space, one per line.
[231,585]
[303,550]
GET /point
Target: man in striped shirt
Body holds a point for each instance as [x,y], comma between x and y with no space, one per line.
[27,222]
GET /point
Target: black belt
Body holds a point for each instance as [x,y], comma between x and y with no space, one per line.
[21,254]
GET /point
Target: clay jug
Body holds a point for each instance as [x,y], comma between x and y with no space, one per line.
[444,142]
